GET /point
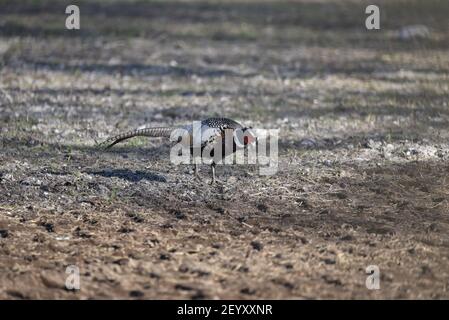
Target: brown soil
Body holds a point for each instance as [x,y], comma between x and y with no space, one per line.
[363,150]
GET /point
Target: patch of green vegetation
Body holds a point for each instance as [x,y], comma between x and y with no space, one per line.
[113,195]
[137,142]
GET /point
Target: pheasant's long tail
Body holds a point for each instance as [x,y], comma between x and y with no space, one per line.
[146,132]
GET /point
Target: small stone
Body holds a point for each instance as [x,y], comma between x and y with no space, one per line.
[327,163]
[50,227]
[425,270]
[136,294]
[257,245]
[164,256]
[288,266]
[179,215]
[122,261]
[217,245]
[199,295]
[183,268]
[243,269]
[347,237]
[329,261]
[183,287]
[248,291]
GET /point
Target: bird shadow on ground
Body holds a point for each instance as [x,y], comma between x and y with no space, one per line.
[129,175]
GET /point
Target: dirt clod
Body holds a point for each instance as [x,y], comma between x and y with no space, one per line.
[4,233]
[257,245]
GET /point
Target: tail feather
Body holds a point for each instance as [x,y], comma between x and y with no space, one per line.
[146,132]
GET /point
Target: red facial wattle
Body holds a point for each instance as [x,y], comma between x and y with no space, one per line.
[248,140]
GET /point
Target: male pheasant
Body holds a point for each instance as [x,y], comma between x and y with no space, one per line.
[200,139]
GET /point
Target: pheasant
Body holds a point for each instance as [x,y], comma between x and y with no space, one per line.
[199,139]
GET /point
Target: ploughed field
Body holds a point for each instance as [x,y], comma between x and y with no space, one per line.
[363,150]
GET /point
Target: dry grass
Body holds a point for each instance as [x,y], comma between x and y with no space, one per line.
[363,150]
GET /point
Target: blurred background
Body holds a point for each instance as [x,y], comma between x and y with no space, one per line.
[364,120]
